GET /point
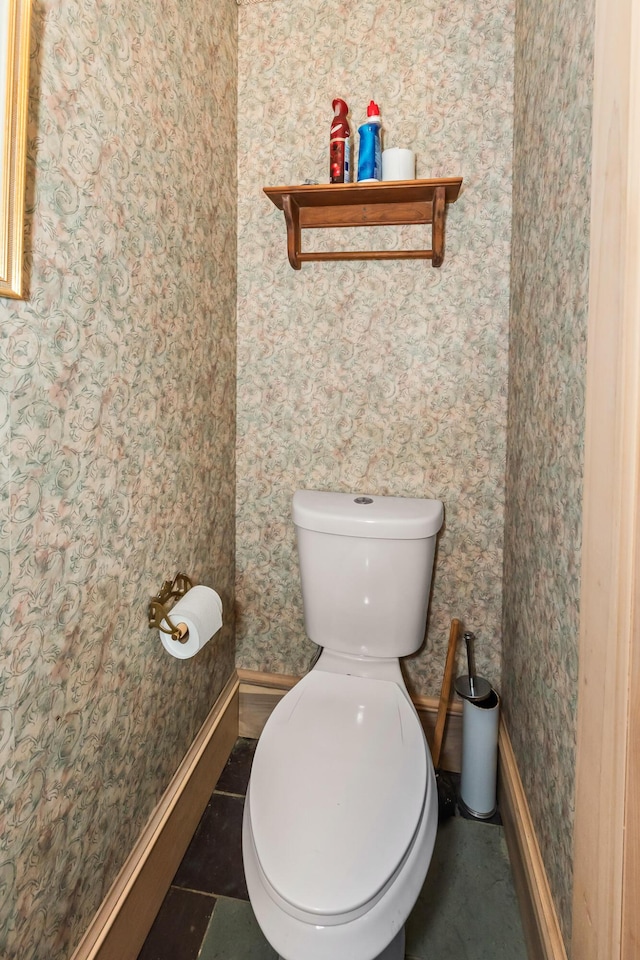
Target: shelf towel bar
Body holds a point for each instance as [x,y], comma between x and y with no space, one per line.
[389,203]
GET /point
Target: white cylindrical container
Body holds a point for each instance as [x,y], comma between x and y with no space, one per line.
[398,164]
[480,755]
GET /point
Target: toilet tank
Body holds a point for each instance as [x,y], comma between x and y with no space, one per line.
[365,567]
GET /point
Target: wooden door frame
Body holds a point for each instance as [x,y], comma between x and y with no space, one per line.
[606,921]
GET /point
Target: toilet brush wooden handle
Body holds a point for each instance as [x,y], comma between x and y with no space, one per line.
[445,692]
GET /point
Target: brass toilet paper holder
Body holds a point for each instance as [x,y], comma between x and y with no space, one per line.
[158,614]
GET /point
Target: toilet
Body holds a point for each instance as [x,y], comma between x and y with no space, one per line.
[341,810]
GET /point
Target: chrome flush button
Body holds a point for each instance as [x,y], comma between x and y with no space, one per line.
[363,500]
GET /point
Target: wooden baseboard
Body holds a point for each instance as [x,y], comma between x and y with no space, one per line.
[258,695]
[260,692]
[124,919]
[451,752]
[539,919]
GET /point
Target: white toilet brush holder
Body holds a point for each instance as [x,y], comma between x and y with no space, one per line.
[480,755]
[480,716]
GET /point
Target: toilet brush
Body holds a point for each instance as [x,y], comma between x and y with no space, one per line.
[446,789]
[472,687]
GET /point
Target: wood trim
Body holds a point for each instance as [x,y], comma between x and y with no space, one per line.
[438,226]
[607,821]
[630,594]
[365,204]
[451,749]
[361,196]
[124,919]
[260,692]
[275,681]
[539,919]
[631,871]
[378,215]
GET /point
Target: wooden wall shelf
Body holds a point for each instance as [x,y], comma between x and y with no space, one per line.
[391,202]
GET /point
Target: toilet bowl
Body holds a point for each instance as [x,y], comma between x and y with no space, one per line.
[340,817]
[341,810]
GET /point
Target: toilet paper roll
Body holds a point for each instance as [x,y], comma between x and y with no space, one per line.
[201,612]
[398,164]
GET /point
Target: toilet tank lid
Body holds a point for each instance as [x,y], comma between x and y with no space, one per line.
[364,515]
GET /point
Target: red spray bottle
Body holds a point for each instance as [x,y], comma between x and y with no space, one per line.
[339,144]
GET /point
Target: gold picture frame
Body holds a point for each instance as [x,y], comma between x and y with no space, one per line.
[14,91]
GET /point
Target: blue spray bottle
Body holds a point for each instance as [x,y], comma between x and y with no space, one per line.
[370,152]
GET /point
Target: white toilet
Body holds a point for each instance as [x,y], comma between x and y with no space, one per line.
[341,812]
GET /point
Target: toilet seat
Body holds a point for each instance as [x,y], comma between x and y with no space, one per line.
[351,749]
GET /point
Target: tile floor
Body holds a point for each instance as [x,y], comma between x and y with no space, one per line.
[467,909]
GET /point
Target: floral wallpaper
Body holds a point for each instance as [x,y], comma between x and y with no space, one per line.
[383,377]
[549,288]
[117,411]
[118,393]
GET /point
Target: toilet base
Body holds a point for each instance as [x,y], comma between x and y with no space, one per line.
[394,951]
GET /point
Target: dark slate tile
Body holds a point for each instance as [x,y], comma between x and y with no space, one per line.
[234,934]
[235,776]
[179,928]
[213,861]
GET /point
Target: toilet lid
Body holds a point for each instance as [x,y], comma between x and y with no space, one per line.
[337,788]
